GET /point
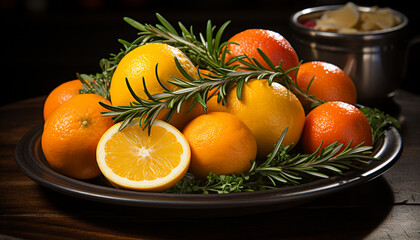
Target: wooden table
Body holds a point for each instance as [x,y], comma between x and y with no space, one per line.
[385,208]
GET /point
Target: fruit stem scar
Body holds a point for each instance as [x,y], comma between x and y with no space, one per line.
[85,123]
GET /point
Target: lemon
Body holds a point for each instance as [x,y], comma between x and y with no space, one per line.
[132,159]
[141,63]
[267,110]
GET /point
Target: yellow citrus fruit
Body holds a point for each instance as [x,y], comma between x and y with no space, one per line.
[220,143]
[141,63]
[71,134]
[267,111]
[132,159]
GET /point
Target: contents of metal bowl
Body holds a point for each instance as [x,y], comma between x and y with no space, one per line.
[374,60]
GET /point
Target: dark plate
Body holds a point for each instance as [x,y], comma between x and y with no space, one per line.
[31,160]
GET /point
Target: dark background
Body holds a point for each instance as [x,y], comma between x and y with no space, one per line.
[46,42]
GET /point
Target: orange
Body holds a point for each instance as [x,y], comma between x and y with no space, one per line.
[133,159]
[61,94]
[72,133]
[330,84]
[220,143]
[335,121]
[267,111]
[141,63]
[179,120]
[274,45]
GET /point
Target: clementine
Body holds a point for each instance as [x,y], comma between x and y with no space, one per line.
[220,143]
[61,94]
[330,83]
[335,121]
[72,133]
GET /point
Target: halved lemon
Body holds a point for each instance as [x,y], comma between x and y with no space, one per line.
[132,159]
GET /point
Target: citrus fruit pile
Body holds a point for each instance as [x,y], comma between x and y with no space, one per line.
[210,137]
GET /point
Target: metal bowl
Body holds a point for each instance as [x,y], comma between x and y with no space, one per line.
[374,60]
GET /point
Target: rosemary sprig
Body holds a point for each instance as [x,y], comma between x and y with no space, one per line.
[284,167]
[97,84]
[281,168]
[275,73]
[198,89]
[206,51]
[147,110]
[379,121]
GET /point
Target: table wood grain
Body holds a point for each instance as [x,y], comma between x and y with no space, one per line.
[385,208]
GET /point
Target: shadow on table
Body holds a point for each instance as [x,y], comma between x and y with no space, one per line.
[350,214]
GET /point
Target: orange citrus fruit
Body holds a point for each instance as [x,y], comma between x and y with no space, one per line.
[141,63]
[220,143]
[267,111]
[335,121]
[132,159]
[331,83]
[72,133]
[184,116]
[274,45]
[59,95]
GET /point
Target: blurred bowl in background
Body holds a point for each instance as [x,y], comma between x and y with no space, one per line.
[375,60]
